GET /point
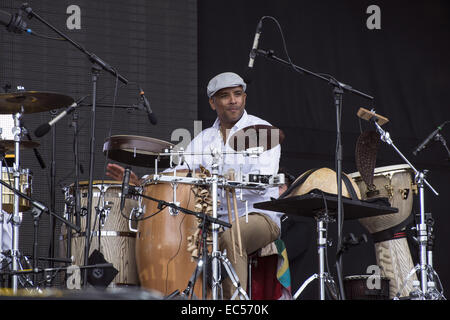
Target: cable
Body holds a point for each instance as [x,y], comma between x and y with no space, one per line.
[30,32]
[283,40]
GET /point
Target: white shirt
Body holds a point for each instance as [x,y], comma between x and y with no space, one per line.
[267,163]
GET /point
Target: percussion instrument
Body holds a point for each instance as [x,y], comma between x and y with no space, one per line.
[162,257]
[32,101]
[255,136]
[357,288]
[137,151]
[117,242]
[26,187]
[393,254]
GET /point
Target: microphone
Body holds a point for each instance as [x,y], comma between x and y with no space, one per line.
[151,115]
[428,139]
[45,127]
[255,44]
[125,187]
[13,23]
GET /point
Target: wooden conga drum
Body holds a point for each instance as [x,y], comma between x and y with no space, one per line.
[393,255]
[163,261]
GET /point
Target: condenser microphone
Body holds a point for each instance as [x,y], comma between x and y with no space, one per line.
[125,187]
[428,139]
[151,115]
[255,44]
[45,127]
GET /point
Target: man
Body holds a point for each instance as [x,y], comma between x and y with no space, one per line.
[226,93]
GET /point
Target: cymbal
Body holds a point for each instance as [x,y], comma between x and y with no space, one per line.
[136,150]
[9,145]
[253,136]
[32,101]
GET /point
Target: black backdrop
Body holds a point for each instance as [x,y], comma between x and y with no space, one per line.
[403,65]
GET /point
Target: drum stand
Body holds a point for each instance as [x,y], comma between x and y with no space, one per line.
[217,257]
[201,267]
[425,264]
[324,277]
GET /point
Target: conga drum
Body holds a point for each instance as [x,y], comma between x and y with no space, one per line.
[162,257]
[391,247]
[110,230]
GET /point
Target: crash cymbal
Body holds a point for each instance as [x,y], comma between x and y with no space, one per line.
[32,101]
[136,150]
[9,145]
[259,135]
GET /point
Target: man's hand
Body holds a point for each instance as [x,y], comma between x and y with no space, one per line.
[116,172]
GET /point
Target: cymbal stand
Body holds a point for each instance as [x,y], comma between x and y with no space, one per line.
[97,66]
[422,230]
[17,216]
[52,191]
[324,277]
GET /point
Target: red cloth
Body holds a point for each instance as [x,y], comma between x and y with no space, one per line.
[265,285]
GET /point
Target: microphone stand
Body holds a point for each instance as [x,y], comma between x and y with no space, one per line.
[338,90]
[40,206]
[97,66]
[52,190]
[441,138]
[162,203]
[425,264]
[37,211]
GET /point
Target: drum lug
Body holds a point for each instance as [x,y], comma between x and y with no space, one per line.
[414,188]
[172,211]
[390,191]
[404,193]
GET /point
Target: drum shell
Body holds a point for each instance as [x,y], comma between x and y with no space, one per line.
[163,262]
[398,187]
[117,242]
[357,288]
[394,255]
[26,185]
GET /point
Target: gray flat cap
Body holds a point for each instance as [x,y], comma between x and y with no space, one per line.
[225,80]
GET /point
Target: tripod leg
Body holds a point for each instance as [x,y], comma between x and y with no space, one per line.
[305,284]
[189,291]
[234,279]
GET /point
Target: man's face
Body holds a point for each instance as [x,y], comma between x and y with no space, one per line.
[229,103]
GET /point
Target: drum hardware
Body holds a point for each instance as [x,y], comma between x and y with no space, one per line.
[422,230]
[232,193]
[404,193]
[16,219]
[325,279]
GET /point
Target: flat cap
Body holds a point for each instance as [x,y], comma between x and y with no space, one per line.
[224,80]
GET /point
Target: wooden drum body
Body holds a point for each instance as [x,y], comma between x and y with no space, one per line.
[393,255]
[117,242]
[25,182]
[163,261]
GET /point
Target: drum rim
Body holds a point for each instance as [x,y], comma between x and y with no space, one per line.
[385,169]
